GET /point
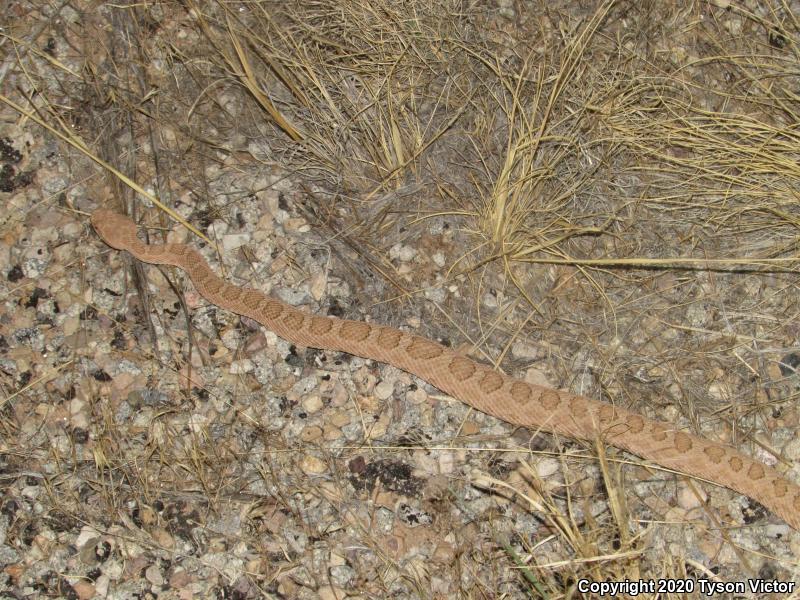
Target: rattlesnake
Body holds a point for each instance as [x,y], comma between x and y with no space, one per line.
[478,385]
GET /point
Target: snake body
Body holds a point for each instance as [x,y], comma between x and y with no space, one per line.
[478,385]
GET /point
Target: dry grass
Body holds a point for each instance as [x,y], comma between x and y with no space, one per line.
[616,181]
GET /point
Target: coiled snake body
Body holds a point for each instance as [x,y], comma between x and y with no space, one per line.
[478,385]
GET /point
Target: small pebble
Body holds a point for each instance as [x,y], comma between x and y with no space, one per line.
[547,467]
[162,538]
[470,428]
[297,224]
[153,575]
[524,351]
[318,285]
[332,433]
[311,465]
[84,589]
[402,252]
[312,403]
[311,433]
[384,390]
[233,241]
[688,500]
[331,592]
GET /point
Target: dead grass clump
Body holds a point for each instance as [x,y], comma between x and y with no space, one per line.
[360,90]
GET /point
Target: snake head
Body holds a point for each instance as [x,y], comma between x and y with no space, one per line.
[115,229]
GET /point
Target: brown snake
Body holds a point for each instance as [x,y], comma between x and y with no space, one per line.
[478,385]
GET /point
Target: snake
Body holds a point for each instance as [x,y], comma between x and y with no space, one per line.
[479,385]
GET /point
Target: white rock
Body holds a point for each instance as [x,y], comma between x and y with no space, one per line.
[311,465]
[312,403]
[384,390]
[319,281]
[78,416]
[407,253]
[70,325]
[402,252]
[547,467]
[217,228]
[296,224]
[524,350]
[446,463]
[197,423]
[153,575]
[238,367]
[232,241]
[87,534]
[719,391]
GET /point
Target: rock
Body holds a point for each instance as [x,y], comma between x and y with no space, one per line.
[547,467]
[312,403]
[311,465]
[444,554]
[524,350]
[379,428]
[332,433]
[311,433]
[232,241]
[153,575]
[317,285]
[162,537]
[84,590]
[687,499]
[297,224]
[240,367]
[70,325]
[470,428]
[384,390]
[331,592]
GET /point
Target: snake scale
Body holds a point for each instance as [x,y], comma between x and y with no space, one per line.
[478,385]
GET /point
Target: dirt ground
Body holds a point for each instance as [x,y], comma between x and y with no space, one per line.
[600,197]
